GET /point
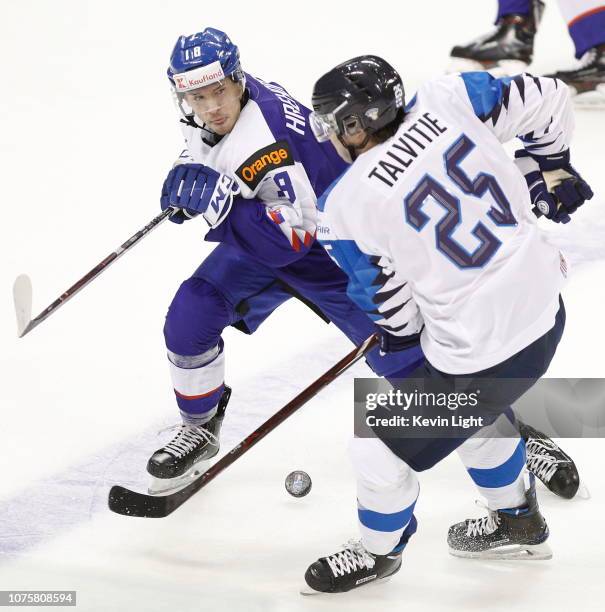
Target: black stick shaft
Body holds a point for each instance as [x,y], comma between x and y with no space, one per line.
[97,270]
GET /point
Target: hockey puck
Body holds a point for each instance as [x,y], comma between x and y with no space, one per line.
[298,483]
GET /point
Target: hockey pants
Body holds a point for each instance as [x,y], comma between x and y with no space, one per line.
[232,289]
[494,456]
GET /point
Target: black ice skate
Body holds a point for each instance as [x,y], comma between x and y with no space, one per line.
[587,81]
[348,569]
[507,50]
[513,533]
[173,466]
[549,463]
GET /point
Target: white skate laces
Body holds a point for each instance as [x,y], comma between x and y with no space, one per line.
[187,439]
[539,459]
[484,525]
[352,558]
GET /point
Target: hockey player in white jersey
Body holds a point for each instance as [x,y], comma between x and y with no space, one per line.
[435,207]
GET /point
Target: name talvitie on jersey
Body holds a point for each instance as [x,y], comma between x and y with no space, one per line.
[256,167]
[405,147]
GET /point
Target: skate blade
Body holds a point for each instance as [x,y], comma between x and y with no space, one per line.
[502,68]
[307,591]
[520,552]
[163,486]
[590,100]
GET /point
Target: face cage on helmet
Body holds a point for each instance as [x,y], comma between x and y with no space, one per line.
[324,125]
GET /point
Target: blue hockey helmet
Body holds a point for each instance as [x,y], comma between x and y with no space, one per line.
[203,58]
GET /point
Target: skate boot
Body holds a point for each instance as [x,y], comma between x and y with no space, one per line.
[587,81]
[505,51]
[348,569]
[511,533]
[549,463]
[175,465]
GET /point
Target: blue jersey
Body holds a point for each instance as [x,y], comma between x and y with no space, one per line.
[281,170]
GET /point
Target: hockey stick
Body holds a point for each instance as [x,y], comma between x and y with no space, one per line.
[22,289]
[130,503]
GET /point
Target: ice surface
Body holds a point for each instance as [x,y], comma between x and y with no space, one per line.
[87,133]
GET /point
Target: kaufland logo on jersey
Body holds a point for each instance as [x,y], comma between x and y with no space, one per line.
[200,77]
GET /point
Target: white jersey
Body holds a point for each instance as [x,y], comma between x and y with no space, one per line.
[435,226]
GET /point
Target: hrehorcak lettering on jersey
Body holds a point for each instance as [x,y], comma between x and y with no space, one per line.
[294,118]
[405,148]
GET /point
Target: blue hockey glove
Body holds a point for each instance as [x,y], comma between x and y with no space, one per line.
[196,189]
[389,343]
[556,189]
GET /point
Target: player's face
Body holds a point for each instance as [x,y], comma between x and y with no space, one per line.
[217,105]
[353,141]
[341,149]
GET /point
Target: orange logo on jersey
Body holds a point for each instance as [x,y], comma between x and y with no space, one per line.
[257,166]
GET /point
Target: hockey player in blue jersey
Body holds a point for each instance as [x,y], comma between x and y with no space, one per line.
[434,217]
[251,169]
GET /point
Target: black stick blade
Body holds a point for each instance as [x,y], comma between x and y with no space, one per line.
[130,503]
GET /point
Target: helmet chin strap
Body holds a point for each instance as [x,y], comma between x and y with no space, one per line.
[352,149]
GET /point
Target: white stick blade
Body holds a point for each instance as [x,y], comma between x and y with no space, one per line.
[22,294]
